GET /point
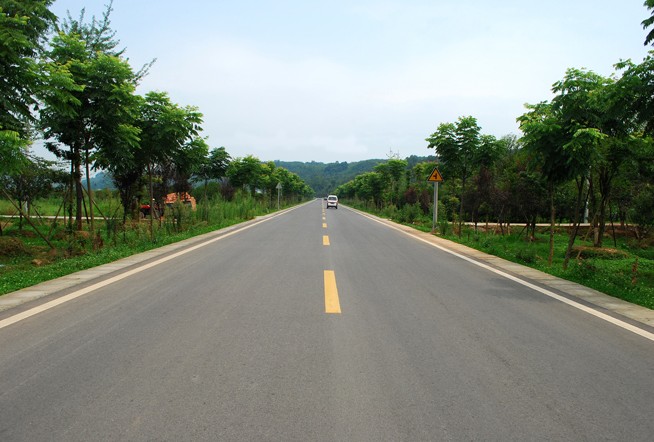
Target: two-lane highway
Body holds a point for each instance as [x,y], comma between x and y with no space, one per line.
[236,341]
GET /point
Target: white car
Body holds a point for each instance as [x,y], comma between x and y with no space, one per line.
[332,201]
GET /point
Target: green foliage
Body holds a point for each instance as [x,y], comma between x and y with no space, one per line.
[251,174]
[527,255]
[649,21]
[444,227]
[642,210]
[213,166]
[89,104]
[23,25]
[34,181]
[325,178]
[245,172]
[13,150]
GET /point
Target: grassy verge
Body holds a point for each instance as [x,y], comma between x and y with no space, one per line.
[625,271]
[25,260]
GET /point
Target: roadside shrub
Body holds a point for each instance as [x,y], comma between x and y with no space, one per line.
[77,244]
[527,255]
[409,213]
[425,202]
[584,268]
[391,212]
[410,195]
[443,227]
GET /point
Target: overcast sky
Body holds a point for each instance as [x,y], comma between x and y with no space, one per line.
[351,80]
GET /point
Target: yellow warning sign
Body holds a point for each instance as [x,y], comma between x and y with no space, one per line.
[435,176]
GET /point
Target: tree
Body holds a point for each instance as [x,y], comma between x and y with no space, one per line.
[168,137]
[544,139]
[89,102]
[214,166]
[34,181]
[649,22]
[592,109]
[392,172]
[245,173]
[634,92]
[23,25]
[457,147]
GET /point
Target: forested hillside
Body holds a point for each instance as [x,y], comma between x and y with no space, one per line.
[324,178]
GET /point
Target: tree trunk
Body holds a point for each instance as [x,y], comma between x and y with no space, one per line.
[605,180]
[575,224]
[79,195]
[151,201]
[550,256]
[463,191]
[89,192]
[206,201]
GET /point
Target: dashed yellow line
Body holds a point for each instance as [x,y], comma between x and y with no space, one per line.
[332,305]
[324,225]
[325,240]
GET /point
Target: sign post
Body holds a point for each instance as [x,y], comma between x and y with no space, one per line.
[435,177]
[279,191]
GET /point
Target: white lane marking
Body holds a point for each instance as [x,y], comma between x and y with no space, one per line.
[76,294]
[645,334]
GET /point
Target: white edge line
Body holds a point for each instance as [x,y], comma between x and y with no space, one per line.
[625,325]
[76,294]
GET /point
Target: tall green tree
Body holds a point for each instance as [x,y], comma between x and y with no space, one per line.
[89,104]
[245,173]
[23,26]
[592,109]
[213,167]
[392,172]
[457,147]
[544,139]
[575,142]
[169,137]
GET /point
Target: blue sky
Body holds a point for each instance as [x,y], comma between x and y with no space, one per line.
[352,80]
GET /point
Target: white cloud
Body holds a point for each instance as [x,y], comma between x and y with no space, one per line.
[354,78]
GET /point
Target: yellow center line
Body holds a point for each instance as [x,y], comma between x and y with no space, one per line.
[324,225]
[332,305]
[325,240]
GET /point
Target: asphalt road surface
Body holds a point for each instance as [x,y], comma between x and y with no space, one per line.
[312,327]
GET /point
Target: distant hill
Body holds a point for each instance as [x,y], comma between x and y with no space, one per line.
[324,178]
[102,180]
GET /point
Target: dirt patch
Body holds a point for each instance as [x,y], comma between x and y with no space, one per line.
[13,247]
[585,252]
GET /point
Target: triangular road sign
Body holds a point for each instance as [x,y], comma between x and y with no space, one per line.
[435,176]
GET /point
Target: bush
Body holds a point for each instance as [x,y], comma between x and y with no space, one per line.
[409,213]
[584,268]
[527,255]
[444,227]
